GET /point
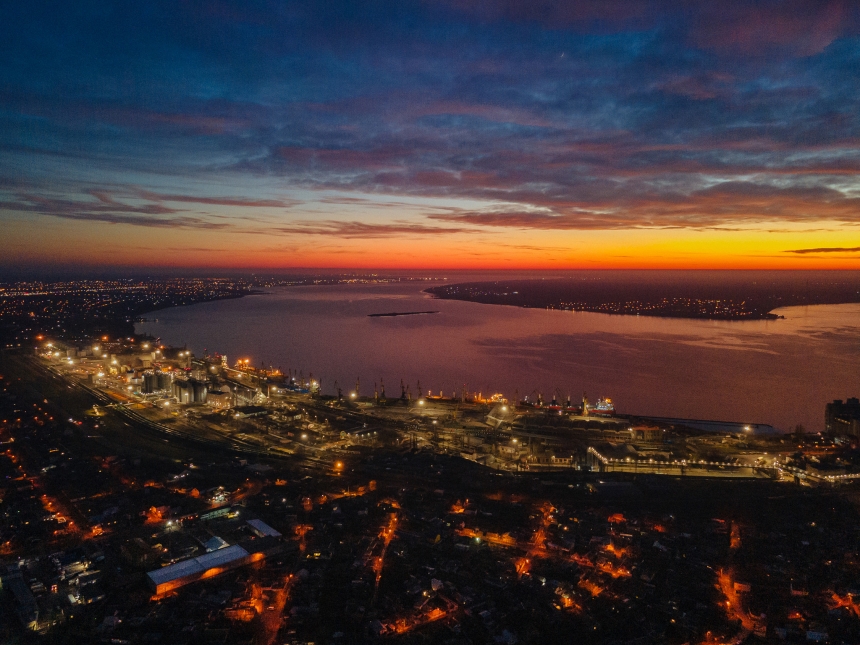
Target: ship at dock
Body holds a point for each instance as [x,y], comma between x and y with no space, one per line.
[603,407]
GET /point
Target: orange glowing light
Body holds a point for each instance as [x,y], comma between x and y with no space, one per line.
[522,565]
[617,551]
[735,537]
[733,602]
[591,587]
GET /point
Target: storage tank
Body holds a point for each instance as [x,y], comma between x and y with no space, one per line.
[164,380]
[150,382]
[182,390]
[199,389]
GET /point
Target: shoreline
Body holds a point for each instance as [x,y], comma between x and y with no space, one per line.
[402,313]
[314,355]
[756,318]
[234,296]
[138,319]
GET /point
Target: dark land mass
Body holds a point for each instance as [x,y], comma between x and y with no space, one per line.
[77,309]
[401,313]
[713,295]
[389,544]
[400,546]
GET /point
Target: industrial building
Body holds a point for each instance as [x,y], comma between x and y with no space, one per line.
[26,607]
[261,529]
[156,381]
[721,427]
[843,418]
[202,567]
[189,390]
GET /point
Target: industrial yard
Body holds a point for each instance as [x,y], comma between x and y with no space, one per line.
[264,412]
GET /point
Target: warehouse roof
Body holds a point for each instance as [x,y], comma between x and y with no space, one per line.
[262,529]
[197,565]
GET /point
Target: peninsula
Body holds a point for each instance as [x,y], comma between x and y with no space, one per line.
[706,295]
[401,313]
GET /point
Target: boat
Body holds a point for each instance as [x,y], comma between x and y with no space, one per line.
[603,407]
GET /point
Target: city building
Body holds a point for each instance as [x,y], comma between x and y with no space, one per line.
[843,418]
[206,566]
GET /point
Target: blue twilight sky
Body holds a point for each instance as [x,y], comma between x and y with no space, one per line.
[492,133]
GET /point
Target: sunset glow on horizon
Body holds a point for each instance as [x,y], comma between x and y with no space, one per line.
[432,135]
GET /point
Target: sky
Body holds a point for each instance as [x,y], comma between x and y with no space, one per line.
[479,134]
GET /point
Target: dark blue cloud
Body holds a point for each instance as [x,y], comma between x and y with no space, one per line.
[543,109]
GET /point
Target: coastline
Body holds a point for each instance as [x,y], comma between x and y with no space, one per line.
[395,314]
[643,363]
[596,309]
[769,315]
[138,318]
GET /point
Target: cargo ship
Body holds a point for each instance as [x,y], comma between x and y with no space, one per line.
[603,407]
